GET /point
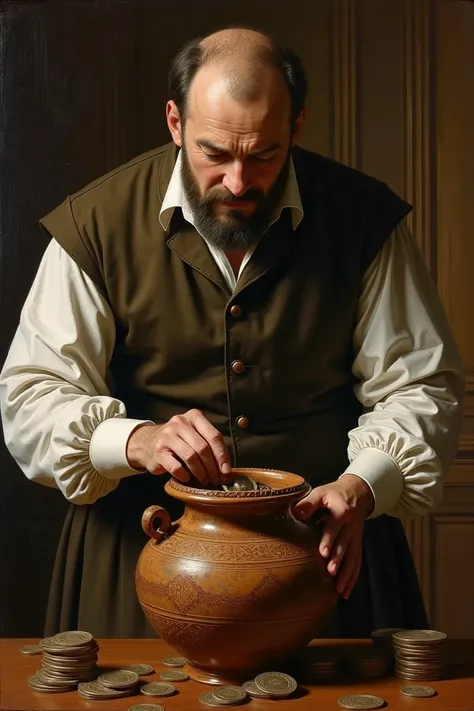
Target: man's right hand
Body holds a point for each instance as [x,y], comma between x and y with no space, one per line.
[187,439]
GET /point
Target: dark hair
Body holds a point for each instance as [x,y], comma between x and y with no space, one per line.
[192,56]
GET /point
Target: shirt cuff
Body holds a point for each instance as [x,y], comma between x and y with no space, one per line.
[382,474]
[108,447]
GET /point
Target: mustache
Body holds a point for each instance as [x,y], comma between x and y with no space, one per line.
[249,196]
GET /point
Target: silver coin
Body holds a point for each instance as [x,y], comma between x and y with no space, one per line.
[75,638]
[174,661]
[146,707]
[120,679]
[276,683]
[174,675]
[94,690]
[157,689]
[252,690]
[208,699]
[361,701]
[31,649]
[230,694]
[39,685]
[140,669]
[419,636]
[241,483]
[420,692]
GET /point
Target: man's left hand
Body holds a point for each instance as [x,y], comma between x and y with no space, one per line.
[349,501]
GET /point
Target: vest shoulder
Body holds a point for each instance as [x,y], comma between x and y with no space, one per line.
[326,171]
[128,178]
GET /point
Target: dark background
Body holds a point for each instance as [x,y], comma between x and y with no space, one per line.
[82,90]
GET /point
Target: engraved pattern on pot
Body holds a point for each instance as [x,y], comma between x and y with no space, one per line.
[229,552]
[183,592]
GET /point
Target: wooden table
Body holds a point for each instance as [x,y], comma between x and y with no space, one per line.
[455,693]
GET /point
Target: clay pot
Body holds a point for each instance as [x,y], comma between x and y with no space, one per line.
[237,583]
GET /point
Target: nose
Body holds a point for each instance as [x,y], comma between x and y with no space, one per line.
[235,179]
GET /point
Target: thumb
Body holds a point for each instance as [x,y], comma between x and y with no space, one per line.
[307,506]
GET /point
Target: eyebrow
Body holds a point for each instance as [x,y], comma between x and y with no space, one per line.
[203,143]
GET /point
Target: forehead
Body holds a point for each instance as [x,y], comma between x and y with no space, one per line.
[212,110]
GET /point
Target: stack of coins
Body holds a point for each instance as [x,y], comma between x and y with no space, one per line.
[320,664]
[69,658]
[271,685]
[419,654]
[224,696]
[370,664]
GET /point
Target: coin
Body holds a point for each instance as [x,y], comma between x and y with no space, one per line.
[174,675]
[418,691]
[146,707]
[39,685]
[74,638]
[230,694]
[95,690]
[276,683]
[157,689]
[414,636]
[361,701]
[120,679]
[174,661]
[241,483]
[208,699]
[140,669]
[31,649]
[252,690]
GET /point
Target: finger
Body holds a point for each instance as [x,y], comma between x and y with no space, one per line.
[339,549]
[200,455]
[188,455]
[332,529]
[214,439]
[307,506]
[167,462]
[349,573]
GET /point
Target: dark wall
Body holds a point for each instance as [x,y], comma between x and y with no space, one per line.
[82,90]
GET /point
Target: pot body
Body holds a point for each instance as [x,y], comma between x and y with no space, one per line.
[237,583]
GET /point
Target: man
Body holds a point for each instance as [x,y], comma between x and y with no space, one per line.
[233,300]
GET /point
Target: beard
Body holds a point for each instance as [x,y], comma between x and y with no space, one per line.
[233,230]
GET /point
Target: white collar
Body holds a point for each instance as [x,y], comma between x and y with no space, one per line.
[175,197]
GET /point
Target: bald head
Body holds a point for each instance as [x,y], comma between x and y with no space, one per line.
[249,61]
[245,59]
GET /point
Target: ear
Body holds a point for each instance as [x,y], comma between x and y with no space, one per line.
[298,126]
[173,120]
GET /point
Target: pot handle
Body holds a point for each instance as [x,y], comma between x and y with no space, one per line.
[149,517]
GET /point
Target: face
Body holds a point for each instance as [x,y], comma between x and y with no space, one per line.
[235,155]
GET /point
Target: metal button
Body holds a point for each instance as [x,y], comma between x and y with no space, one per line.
[242,422]
[236,311]
[238,367]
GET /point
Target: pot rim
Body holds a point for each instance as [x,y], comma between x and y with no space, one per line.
[291,485]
